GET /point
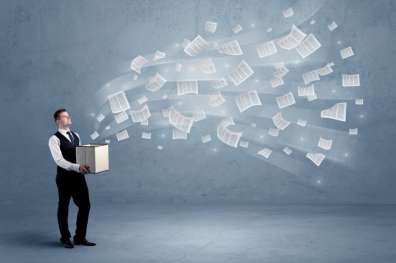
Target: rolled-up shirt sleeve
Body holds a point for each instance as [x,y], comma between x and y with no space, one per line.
[54,146]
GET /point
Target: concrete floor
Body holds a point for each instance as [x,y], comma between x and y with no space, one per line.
[216,233]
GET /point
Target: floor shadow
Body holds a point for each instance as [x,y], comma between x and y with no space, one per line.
[31,239]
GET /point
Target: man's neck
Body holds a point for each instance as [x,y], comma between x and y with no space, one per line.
[64,128]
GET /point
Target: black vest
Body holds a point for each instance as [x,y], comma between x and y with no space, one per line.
[68,150]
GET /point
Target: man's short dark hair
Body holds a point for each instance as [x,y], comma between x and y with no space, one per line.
[57,112]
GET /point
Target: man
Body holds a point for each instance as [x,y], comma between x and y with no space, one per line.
[70,180]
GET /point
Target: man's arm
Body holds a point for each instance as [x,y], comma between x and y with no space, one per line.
[54,145]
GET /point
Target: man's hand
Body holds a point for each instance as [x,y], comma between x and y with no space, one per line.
[84,168]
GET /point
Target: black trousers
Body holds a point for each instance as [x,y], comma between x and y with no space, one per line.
[74,186]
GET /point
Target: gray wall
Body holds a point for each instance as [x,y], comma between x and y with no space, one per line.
[58,53]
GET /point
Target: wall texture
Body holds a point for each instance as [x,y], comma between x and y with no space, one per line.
[58,53]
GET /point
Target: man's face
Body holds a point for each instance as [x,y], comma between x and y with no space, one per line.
[64,119]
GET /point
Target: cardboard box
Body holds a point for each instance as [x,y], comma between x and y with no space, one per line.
[96,156]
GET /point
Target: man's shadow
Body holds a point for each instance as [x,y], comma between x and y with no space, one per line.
[32,239]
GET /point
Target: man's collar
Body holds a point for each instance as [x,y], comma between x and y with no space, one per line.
[63,130]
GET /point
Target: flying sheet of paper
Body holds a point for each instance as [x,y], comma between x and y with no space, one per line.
[265,152]
[316,158]
[277,82]
[350,80]
[155,83]
[289,12]
[280,70]
[121,117]
[287,150]
[141,114]
[218,84]
[178,134]
[279,121]
[143,99]
[308,46]
[137,64]
[199,115]
[179,121]
[266,49]
[210,26]
[326,70]
[206,138]
[228,137]
[306,91]
[332,26]
[206,66]
[100,117]
[247,100]
[94,135]
[241,73]
[301,122]
[196,46]
[146,135]
[310,76]
[336,112]
[325,144]
[236,29]
[231,48]
[159,55]
[346,52]
[187,87]
[285,100]
[244,144]
[122,135]
[215,99]
[273,132]
[359,101]
[353,131]
[292,39]
[118,102]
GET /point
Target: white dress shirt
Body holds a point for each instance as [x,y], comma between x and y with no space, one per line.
[54,145]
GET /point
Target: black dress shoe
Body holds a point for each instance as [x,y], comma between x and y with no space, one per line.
[66,243]
[83,242]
